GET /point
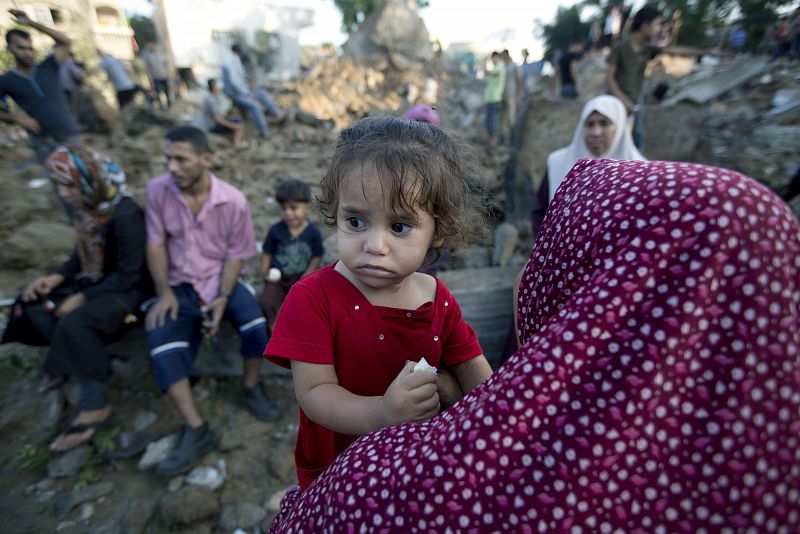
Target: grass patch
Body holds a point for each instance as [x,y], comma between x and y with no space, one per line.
[103,441]
[33,457]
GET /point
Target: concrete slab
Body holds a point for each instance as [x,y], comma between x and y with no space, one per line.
[723,80]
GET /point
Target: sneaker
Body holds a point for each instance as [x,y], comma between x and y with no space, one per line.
[193,443]
[258,403]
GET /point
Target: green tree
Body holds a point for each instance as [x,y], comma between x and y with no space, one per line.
[566,29]
[144,31]
[355,11]
[700,15]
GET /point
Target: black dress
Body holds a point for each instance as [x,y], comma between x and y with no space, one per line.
[78,341]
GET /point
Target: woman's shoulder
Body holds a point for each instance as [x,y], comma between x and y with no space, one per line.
[126,208]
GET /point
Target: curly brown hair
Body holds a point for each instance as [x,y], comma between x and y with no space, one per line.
[424,167]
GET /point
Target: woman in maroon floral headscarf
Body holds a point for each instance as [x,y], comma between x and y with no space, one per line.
[657,388]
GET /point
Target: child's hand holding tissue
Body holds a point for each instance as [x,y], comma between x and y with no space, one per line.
[412,396]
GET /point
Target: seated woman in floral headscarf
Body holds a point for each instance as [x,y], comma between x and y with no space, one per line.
[657,388]
[83,305]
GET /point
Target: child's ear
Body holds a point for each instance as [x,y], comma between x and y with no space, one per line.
[437,242]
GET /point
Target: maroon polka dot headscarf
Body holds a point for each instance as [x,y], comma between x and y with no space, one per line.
[657,388]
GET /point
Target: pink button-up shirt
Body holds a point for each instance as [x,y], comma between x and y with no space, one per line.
[197,246]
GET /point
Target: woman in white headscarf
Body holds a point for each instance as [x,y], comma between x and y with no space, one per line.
[601,134]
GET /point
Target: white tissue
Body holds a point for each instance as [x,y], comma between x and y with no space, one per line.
[423,365]
[274,275]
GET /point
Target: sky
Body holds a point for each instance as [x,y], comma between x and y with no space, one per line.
[447,20]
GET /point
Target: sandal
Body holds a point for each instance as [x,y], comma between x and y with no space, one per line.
[80,428]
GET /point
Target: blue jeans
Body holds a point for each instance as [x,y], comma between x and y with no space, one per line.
[173,346]
[93,395]
[265,99]
[638,126]
[252,108]
[492,118]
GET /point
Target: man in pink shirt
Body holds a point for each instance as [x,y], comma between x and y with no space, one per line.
[199,232]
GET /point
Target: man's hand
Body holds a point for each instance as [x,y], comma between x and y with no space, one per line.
[69,304]
[410,397]
[213,313]
[167,303]
[628,105]
[20,17]
[30,124]
[41,286]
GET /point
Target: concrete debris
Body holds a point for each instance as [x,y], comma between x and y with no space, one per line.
[394,32]
[723,80]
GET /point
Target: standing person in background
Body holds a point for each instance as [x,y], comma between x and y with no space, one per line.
[37,89]
[120,76]
[508,111]
[627,63]
[258,89]
[624,18]
[235,86]
[568,67]
[157,73]
[71,75]
[612,27]
[493,96]
[595,35]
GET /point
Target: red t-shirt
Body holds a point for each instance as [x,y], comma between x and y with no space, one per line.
[326,320]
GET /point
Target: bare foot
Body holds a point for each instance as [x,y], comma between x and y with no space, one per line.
[74,437]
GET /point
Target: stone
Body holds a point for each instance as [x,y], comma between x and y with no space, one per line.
[87,511]
[273,504]
[134,516]
[74,498]
[69,463]
[243,515]
[188,505]
[239,435]
[394,32]
[505,241]
[175,484]
[45,484]
[157,451]
[53,408]
[46,496]
[281,461]
[207,477]
[38,244]
[143,419]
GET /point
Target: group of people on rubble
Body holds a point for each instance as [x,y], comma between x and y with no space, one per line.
[655,385]
[187,247]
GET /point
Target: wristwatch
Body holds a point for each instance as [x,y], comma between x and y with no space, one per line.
[224,294]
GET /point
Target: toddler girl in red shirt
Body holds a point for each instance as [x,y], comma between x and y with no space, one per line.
[352,331]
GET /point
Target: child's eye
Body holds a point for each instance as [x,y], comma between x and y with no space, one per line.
[354,223]
[401,228]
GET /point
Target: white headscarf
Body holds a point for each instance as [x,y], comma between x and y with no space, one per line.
[561,161]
